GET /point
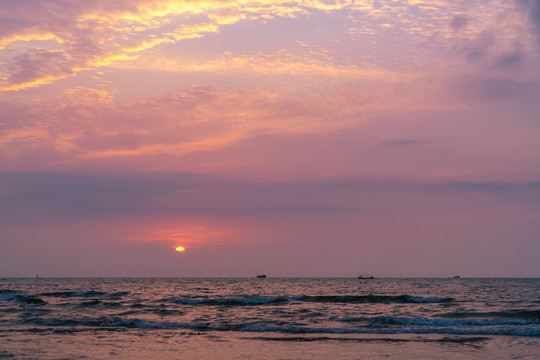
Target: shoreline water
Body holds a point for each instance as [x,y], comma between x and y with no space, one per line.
[144,344]
[300,318]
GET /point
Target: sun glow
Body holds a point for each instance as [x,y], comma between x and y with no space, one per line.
[180,249]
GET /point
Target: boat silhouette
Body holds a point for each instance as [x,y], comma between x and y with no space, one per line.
[363,277]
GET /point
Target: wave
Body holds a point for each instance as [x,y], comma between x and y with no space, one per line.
[248,300]
[353,299]
[511,314]
[68,294]
[457,340]
[245,300]
[118,295]
[400,299]
[58,294]
[91,303]
[24,300]
[7,291]
[32,301]
[116,323]
[99,303]
[381,325]
[35,300]
[422,321]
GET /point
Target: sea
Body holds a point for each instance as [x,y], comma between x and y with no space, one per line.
[271,318]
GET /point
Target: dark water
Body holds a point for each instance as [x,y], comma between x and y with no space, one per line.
[468,311]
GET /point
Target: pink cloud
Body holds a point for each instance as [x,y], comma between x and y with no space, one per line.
[39,64]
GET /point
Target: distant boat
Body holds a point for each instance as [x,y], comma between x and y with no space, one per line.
[365,277]
[457,277]
[261,276]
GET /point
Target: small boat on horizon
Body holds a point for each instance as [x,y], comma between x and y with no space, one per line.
[261,276]
[457,277]
[365,277]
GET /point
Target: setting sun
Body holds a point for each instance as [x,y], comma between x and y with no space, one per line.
[180,249]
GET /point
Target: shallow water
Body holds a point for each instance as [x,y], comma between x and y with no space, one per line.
[269,318]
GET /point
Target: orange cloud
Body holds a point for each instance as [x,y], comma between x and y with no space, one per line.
[6,86]
[25,37]
[101,36]
[146,44]
[98,128]
[192,234]
[295,87]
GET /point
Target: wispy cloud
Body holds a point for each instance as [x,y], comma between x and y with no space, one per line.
[94,35]
[71,36]
[48,196]
[402,142]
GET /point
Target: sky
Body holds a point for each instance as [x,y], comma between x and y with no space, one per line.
[399,138]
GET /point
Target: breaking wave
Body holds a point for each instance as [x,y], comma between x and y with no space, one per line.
[352,299]
[379,325]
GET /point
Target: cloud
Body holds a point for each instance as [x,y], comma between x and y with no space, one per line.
[184,122]
[459,22]
[510,60]
[52,196]
[402,142]
[477,49]
[55,216]
[494,89]
[534,17]
[37,64]
[507,89]
[84,35]
[499,39]
[497,187]
[87,35]
[49,195]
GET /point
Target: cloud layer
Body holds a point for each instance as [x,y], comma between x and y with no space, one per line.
[293,134]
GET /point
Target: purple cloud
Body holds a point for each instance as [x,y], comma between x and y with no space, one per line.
[36,64]
[534,17]
[510,60]
[402,142]
[32,196]
[459,22]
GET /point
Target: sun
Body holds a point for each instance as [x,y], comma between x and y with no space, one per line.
[180,249]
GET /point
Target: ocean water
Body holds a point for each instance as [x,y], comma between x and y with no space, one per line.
[290,318]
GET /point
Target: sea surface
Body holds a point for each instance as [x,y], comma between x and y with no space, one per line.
[272,318]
